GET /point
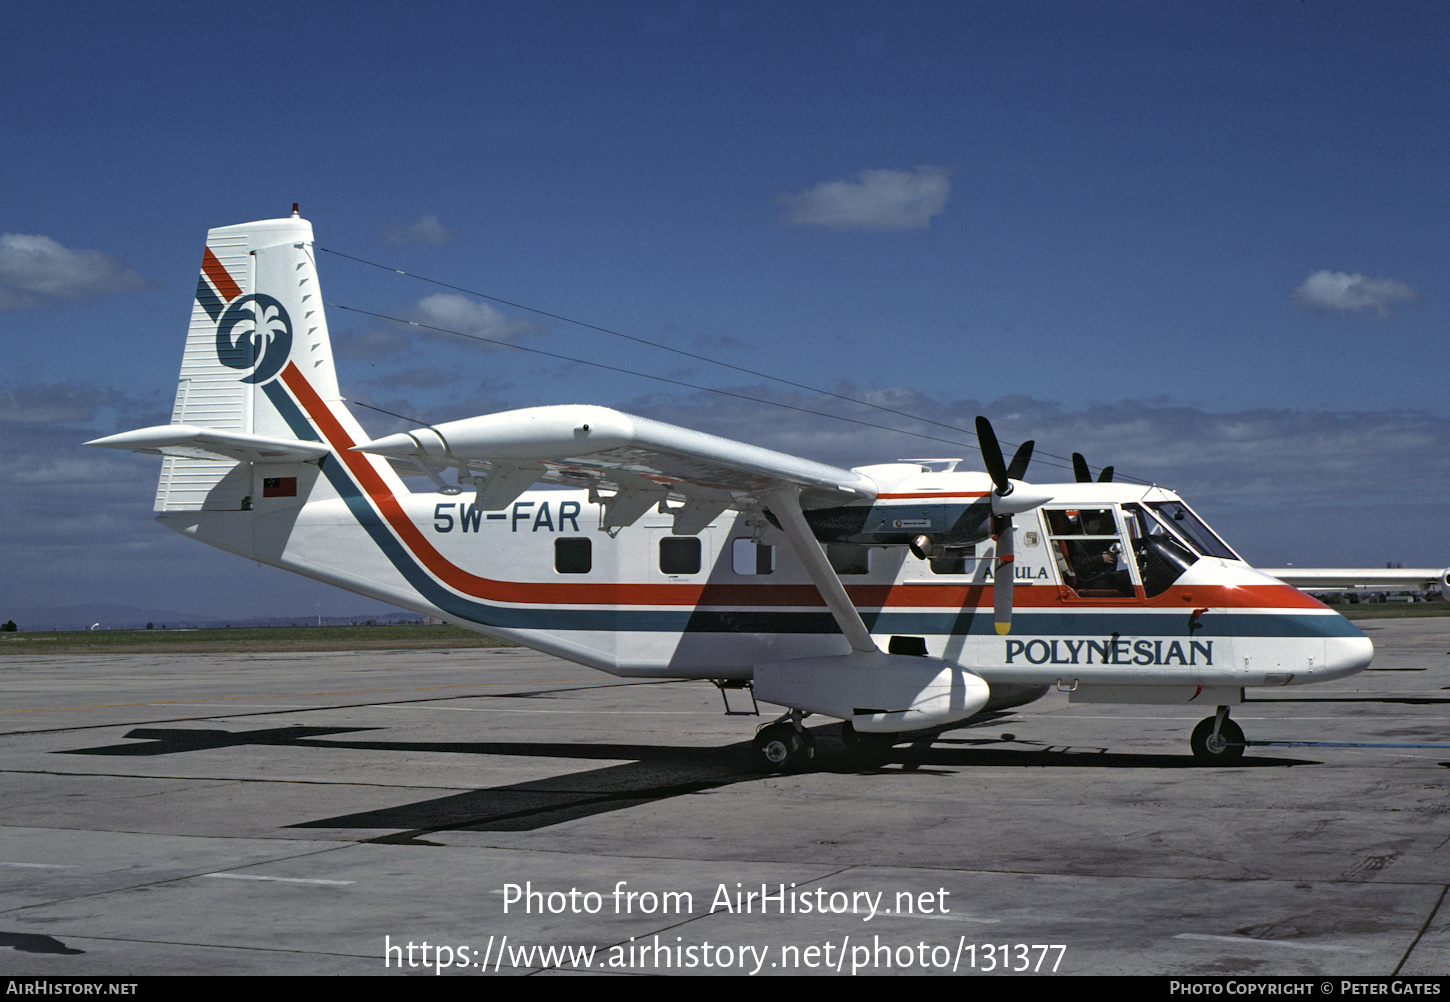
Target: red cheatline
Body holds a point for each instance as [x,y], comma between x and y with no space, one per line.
[230,290]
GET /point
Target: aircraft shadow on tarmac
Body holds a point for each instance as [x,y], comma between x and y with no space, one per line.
[29,942]
[648,773]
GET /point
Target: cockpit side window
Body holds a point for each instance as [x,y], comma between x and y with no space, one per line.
[1089,552]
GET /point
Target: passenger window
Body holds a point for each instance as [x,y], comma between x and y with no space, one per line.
[747,557]
[680,555]
[573,556]
[849,559]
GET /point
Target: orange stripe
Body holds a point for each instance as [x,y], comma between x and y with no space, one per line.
[872,596]
[219,278]
[537,592]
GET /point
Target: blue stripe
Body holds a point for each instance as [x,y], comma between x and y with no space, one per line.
[962,622]
[604,620]
[209,300]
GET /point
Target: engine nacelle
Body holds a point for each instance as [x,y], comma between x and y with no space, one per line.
[879,693]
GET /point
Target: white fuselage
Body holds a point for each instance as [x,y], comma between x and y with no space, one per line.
[645,602]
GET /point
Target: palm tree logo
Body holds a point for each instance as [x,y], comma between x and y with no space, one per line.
[254,333]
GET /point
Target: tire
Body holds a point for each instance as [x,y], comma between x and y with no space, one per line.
[781,748]
[1226,749]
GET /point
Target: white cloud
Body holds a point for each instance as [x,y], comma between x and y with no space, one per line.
[371,343]
[1267,456]
[54,403]
[425,229]
[424,377]
[36,271]
[1274,483]
[1327,292]
[467,316]
[877,200]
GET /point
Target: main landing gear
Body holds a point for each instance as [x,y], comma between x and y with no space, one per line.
[871,750]
[783,746]
[1217,740]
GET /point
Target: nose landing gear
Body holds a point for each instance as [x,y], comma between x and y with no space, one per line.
[1217,740]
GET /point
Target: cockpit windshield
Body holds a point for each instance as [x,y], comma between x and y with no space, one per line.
[1192,529]
[1167,539]
[1159,541]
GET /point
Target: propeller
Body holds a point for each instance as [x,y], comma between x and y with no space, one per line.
[1017,469]
[1002,475]
[1084,476]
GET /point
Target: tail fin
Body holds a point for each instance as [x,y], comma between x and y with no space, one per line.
[257,346]
[257,307]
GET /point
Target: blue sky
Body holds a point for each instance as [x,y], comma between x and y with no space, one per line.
[1203,242]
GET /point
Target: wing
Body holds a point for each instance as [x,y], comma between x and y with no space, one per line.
[644,463]
[1345,578]
[204,443]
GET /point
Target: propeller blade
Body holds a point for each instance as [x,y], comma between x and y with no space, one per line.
[1106,477]
[1003,575]
[992,456]
[1017,469]
[1080,469]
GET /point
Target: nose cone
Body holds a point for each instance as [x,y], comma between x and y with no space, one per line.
[1346,656]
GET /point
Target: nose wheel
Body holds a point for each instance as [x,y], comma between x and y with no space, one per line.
[1217,740]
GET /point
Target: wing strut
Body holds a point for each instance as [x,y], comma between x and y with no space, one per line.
[785,504]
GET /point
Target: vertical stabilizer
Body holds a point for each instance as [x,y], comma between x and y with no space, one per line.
[258,308]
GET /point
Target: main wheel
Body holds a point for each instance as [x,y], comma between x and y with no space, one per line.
[781,748]
[1224,749]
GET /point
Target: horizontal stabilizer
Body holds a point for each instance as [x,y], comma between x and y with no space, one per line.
[204,443]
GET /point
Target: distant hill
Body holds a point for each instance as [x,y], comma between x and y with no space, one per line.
[130,617]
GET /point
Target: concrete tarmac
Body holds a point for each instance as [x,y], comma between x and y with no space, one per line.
[318,813]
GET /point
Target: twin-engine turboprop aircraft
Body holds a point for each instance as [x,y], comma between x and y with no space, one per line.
[897,597]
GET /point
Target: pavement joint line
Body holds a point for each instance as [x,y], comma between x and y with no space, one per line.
[784,862]
[283,880]
[236,779]
[310,709]
[81,938]
[939,918]
[1247,940]
[173,880]
[712,714]
[1423,929]
[286,695]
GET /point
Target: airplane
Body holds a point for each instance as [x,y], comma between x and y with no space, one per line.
[897,597]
